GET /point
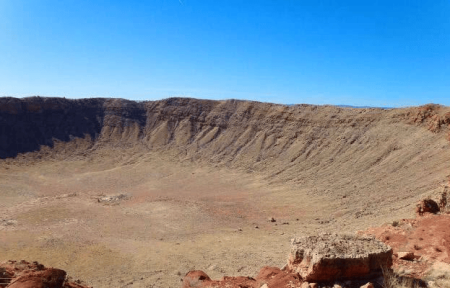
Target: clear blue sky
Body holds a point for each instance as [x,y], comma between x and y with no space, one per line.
[379,53]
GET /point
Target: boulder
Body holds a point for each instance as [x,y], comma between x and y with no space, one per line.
[48,278]
[23,274]
[329,257]
[195,278]
[427,206]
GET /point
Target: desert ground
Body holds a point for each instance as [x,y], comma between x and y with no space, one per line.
[141,198]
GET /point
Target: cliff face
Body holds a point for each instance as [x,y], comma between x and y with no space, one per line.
[283,141]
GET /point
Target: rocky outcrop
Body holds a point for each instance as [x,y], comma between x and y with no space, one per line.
[420,249]
[327,258]
[330,257]
[423,241]
[24,274]
[48,278]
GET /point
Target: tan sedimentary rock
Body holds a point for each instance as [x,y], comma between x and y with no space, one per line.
[328,257]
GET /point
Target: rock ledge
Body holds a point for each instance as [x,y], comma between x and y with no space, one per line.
[329,257]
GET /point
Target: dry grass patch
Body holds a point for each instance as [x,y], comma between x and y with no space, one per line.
[393,280]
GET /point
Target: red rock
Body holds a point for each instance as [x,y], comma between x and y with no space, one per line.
[195,279]
[23,274]
[236,282]
[270,276]
[427,236]
[199,279]
[49,278]
[274,277]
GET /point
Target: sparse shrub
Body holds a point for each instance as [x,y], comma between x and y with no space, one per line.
[392,280]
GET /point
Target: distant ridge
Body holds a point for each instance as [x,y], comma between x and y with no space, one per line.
[351,106]
[361,107]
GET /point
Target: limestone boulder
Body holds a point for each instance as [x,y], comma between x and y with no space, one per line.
[329,257]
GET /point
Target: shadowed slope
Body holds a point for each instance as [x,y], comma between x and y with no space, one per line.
[26,124]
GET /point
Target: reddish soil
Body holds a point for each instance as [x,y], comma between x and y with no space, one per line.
[271,276]
[428,237]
